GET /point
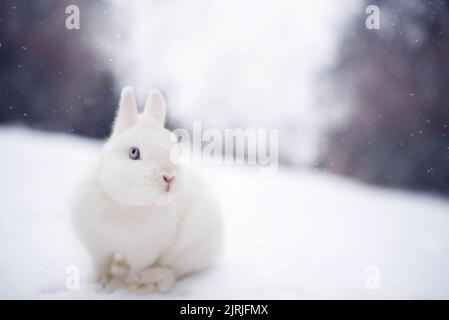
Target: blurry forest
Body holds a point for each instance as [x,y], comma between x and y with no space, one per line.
[395,81]
[49,77]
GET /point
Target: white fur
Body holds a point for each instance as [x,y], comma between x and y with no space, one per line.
[122,208]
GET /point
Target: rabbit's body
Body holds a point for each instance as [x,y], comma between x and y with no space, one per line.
[162,230]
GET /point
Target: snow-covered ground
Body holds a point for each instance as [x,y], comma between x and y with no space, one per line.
[293,235]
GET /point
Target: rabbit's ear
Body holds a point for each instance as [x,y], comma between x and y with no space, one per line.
[155,106]
[127,111]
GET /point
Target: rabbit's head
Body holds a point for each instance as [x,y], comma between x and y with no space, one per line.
[137,165]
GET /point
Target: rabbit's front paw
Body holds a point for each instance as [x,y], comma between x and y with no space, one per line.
[101,278]
[119,266]
[153,279]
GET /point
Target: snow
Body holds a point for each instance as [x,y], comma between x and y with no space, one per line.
[294,234]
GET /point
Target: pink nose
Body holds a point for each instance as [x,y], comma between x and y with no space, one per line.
[168,179]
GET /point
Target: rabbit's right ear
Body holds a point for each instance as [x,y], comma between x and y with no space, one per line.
[127,113]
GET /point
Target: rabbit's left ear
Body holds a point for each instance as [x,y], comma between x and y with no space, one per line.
[155,106]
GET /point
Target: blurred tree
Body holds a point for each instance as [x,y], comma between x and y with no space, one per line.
[49,76]
[396,81]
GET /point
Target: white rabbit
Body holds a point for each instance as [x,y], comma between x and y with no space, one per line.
[139,209]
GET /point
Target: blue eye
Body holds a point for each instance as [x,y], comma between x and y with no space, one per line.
[134,153]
